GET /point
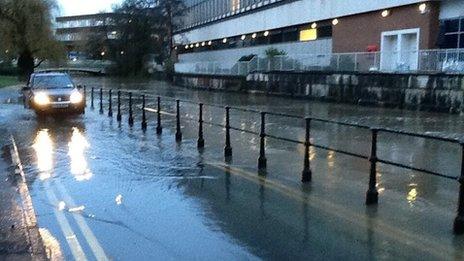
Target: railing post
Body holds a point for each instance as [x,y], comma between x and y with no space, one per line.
[262,161]
[118,117]
[227,147]
[110,103]
[372,195]
[306,175]
[144,116]
[178,129]
[201,140]
[101,100]
[159,129]
[458,226]
[92,98]
[131,118]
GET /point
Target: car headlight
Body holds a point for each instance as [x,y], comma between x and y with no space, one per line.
[41,98]
[76,97]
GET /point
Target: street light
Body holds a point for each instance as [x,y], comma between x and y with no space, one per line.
[224,40]
[102,53]
[385,13]
[335,21]
[313,25]
[253,35]
[266,33]
[423,8]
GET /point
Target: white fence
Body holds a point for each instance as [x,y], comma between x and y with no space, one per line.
[445,60]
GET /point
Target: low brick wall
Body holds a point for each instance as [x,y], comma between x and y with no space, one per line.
[431,92]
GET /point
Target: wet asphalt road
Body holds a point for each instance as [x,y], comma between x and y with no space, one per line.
[107,191]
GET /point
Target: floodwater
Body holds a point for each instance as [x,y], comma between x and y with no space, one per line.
[108,191]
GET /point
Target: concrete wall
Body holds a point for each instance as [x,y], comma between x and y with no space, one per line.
[443,93]
[292,13]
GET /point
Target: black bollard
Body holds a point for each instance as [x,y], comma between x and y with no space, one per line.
[159,129]
[85,96]
[110,103]
[227,147]
[101,101]
[458,226]
[91,98]
[119,117]
[307,174]
[201,140]
[262,161]
[131,118]
[178,130]
[144,116]
[372,195]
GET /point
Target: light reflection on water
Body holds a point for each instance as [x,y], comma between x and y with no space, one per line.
[412,194]
[43,146]
[77,148]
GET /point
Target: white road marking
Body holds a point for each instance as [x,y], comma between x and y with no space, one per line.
[74,245]
[84,227]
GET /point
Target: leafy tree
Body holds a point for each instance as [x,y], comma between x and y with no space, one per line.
[144,34]
[25,30]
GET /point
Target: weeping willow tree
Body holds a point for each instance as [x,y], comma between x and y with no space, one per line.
[26,32]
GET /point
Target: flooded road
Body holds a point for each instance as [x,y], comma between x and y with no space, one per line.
[108,191]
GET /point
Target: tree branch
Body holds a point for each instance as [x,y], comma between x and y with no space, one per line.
[38,64]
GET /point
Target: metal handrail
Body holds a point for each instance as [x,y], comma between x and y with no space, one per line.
[372,193]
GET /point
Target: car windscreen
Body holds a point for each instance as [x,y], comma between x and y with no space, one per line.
[51,82]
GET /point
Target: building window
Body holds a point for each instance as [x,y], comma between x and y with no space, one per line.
[452,33]
[308,35]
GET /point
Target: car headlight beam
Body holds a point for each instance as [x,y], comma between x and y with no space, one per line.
[76,97]
[41,99]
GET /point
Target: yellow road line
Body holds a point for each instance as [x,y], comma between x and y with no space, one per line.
[70,236]
[84,227]
[420,243]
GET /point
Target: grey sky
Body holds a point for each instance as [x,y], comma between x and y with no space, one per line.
[77,7]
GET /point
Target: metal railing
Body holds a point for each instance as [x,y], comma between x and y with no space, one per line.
[306,174]
[439,60]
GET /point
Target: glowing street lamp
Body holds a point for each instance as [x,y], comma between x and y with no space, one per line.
[266,33]
[335,21]
[385,13]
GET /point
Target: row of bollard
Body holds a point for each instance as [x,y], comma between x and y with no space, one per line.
[371,194]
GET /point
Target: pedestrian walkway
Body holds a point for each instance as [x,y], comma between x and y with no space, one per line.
[19,240]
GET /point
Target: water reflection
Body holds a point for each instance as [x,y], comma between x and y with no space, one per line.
[77,147]
[43,146]
[412,194]
[331,159]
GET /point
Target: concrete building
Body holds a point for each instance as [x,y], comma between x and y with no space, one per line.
[386,35]
[72,30]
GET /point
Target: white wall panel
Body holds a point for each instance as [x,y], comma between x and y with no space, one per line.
[451,9]
[323,46]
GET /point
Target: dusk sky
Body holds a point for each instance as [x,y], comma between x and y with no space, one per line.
[77,7]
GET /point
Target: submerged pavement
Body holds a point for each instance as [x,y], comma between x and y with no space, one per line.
[108,191]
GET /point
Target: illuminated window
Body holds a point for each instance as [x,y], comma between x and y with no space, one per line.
[308,35]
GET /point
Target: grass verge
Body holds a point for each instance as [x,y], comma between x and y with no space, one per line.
[8,80]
